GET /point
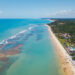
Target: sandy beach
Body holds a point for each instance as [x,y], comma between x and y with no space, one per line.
[65,60]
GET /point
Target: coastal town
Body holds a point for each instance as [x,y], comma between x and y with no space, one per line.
[65,31]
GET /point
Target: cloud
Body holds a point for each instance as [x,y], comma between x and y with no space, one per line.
[63,14]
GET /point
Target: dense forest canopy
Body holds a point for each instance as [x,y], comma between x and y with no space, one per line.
[64,26]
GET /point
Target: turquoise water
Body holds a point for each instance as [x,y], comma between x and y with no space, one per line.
[27,48]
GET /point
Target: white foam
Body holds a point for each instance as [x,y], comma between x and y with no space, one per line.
[2,42]
[30,28]
[6,42]
[14,36]
[23,31]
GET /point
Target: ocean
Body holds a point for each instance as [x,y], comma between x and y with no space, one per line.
[26,49]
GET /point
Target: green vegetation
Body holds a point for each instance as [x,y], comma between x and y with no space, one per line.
[64,29]
[73,58]
[72,54]
[63,41]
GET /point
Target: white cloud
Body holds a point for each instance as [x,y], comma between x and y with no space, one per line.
[63,14]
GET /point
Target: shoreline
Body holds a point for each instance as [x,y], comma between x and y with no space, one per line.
[65,61]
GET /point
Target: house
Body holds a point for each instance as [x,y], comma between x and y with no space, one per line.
[72,50]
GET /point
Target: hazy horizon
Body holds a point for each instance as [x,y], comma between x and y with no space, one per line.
[37,8]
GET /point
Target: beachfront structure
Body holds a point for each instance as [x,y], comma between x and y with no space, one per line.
[72,50]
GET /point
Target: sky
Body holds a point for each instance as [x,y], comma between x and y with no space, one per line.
[37,8]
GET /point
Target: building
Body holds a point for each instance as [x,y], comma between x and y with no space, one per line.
[72,50]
